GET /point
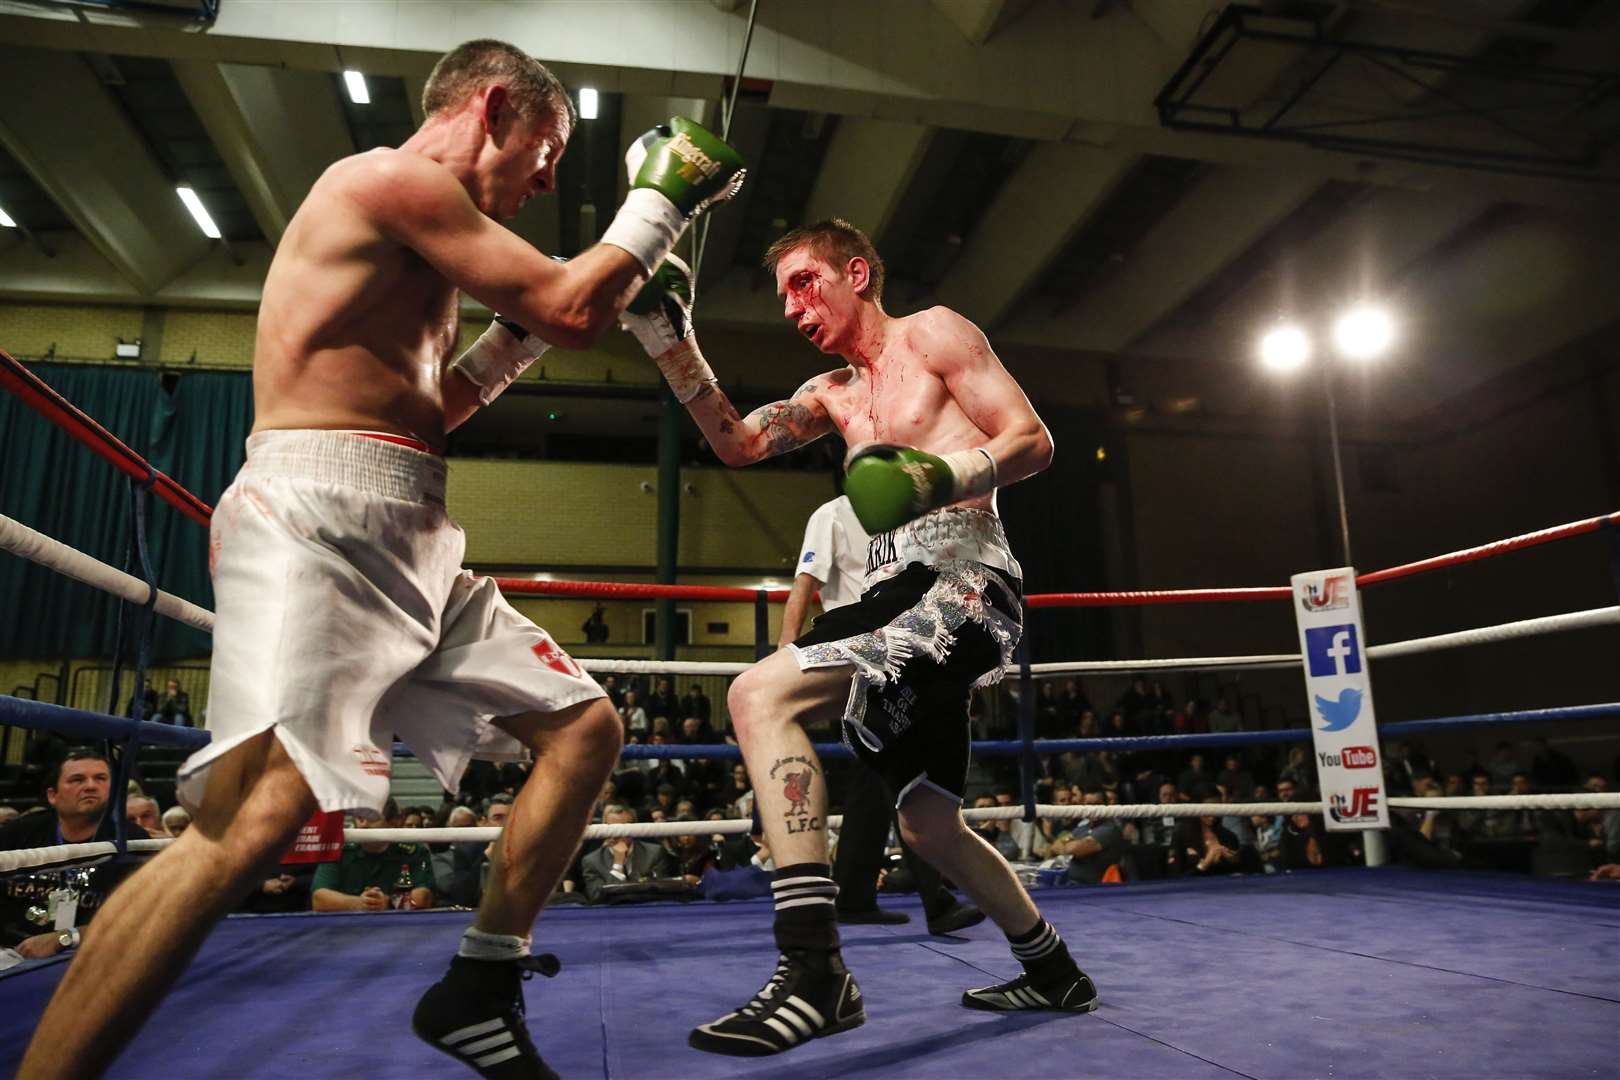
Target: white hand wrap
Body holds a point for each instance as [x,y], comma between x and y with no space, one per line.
[497,358]
[974,472]
[686,371]
[646,226]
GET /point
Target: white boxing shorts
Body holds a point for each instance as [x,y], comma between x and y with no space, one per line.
[343,618]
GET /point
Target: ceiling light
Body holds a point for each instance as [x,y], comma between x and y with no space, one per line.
[1364,332]
[194,204]
[356,83]
[1285,349]
[5,221]
[587,103]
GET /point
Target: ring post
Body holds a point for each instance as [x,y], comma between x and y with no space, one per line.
[762,624]
[143,626]
[1026,721]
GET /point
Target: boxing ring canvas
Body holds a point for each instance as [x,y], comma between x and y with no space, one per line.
[1342,973]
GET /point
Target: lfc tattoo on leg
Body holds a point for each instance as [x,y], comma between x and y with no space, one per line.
[797,775]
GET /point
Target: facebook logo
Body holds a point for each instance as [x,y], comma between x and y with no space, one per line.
[1332,650]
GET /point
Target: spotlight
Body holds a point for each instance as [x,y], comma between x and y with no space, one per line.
[587,103]
[356,82]
[1364,332]
[198,212]
[1285,349]
[5,221]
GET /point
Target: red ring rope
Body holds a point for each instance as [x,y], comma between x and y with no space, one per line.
[58,410]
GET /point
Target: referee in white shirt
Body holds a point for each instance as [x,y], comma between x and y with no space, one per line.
[833,560]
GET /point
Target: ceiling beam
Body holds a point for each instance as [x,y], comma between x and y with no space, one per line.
[1055,191]
[1204,231]
[102,175]
[230,129]
[980,20]
[866,171]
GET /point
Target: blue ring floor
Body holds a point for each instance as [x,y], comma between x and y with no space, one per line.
[1336,974]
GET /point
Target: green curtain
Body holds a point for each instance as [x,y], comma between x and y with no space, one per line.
[199,440]
[1052,523]
[193,429]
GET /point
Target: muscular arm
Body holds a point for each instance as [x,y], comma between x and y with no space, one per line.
[421,205]
[958,352]
[766,432]
[798,603]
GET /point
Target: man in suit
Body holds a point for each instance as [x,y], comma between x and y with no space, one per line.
[623,860]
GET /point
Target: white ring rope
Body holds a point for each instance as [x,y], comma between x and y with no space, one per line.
[1547,624]
[78,854]
[36,547]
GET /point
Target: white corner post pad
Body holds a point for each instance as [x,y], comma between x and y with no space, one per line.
[686,371]
[974,472]
[498,357]
[646,226]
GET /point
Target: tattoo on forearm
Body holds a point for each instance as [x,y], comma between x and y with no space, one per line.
[726,427]
[786,426]
[703,391]
[798,777]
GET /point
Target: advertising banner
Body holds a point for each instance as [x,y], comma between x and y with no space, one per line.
[1338,689]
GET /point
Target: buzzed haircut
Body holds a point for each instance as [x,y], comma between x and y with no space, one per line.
[80,753]
[835,242]
[469,67]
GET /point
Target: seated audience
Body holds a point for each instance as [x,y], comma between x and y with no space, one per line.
[176,820]
[623,860]
[375,877]
[1093,847]
[142,810]
[78,793]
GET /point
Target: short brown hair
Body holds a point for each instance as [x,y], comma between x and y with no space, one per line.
[834,241]
[468,68]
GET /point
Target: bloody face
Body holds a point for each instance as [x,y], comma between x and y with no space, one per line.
[818,299]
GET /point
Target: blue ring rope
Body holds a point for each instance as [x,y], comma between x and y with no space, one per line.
[40,715]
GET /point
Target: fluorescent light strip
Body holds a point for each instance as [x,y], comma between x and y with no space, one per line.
[5,221]
[199,212]
[356,83]
[587,103]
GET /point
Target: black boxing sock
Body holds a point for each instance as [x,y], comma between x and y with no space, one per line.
[1042,952]
[806,918]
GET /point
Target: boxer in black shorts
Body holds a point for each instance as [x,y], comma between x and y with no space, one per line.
[936,425]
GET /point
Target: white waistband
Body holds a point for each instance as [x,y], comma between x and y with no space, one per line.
[949,534]
[352,459]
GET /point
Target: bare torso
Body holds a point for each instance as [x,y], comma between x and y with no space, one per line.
[900,397]
[354,328]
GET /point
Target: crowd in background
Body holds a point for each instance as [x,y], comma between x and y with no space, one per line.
[1050,851]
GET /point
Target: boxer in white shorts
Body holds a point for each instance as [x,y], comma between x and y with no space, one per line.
[343,614]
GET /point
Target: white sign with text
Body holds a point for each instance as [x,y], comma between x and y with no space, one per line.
[1339,692]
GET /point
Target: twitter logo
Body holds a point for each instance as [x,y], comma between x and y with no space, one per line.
[1342,713]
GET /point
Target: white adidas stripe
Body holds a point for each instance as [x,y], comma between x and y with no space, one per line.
[789,1036]
[808,1009]
[496,1058]
[482,1028]
[498,1039]
[800,1023]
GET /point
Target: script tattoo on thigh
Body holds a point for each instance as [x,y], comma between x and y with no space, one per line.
[797,775]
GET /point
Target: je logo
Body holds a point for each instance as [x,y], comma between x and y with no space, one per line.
[1329,594]
[1332,650]
[1362,805]
[1340,714]
[809,556]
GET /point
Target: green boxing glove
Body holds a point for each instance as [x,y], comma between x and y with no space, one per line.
[677,170]
[889,485]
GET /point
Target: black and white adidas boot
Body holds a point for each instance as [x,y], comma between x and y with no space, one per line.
[1073,994]
[798,1004]
[475,1014]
